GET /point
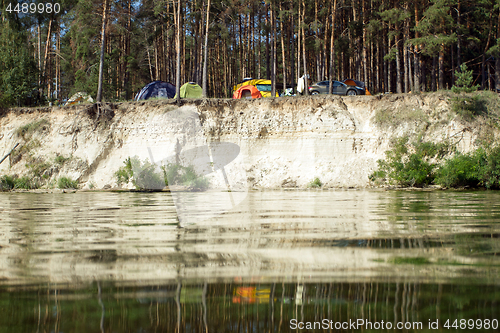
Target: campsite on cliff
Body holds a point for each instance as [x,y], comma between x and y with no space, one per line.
[249,166]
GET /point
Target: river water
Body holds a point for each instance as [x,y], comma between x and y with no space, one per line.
[280,261]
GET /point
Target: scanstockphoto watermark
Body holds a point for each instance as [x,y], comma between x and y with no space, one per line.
[206,177]
[356,324]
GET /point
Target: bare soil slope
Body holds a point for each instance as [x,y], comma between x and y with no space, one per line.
[283,142]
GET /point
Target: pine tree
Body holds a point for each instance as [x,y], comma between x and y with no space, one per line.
[464,81]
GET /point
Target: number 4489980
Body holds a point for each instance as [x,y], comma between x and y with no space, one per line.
[34,8]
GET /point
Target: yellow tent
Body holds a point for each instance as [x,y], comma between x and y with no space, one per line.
[264,86]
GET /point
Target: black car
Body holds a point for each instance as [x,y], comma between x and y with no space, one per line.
[339,88]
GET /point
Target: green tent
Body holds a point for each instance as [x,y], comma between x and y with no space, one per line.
[190,90]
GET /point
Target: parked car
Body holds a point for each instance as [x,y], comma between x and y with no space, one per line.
[339,88]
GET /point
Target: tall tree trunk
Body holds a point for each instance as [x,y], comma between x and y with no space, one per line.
[441,68]
[291,36]
[58,63]
[306,83]
[103,43]
[47,46]
[273,50]
[39,60]
[126,74]
[483,58]
[283,53]
[178,54]
[398,66]
[332,46]
[205,53]
[299,38]
[459,35]
[497,59]
[365,43]
[268,61]
[416,67]
[406,56]
[388,63]
[433,74]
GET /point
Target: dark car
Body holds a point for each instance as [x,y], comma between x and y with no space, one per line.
[339,88]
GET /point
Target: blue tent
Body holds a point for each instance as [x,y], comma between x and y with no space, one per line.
[158,89]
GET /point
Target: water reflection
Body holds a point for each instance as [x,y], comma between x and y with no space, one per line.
[119,262]
[237,307]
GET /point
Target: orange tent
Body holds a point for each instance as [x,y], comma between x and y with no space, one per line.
[247,92]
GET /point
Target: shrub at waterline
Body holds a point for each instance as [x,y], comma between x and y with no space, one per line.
[148,176]
[6,183]
[124,173]
[67,183]
[186,176]
[461,170]
[316,183]
[480,168]
[409,164]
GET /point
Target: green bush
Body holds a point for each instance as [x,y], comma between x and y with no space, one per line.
[26,183]
[66,183]
[478,169]
[461,170]
[6,183]
[409,164]
[146,176]
[180,175]
[316,183]
[489,168]
[417,165]
[470,106]
[61,159]
[124,173]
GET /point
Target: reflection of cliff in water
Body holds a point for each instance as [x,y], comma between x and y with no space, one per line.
[273,236]
[214,308]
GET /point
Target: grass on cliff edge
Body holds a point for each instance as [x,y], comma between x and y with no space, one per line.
[468,106]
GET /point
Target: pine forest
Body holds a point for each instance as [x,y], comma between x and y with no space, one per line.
[50,50]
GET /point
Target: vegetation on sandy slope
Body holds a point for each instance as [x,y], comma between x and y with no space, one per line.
[67,183]
[423,163]
[39,171]
[27,131]
[409,164]
[467,106]
[316,183]
[147,176]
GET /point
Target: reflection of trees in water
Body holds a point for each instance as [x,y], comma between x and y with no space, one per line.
[238,307]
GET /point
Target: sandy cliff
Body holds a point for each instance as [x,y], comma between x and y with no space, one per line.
[283,142]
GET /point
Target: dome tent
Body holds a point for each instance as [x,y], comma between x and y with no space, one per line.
[247,92]
[190,90]
[159,89]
